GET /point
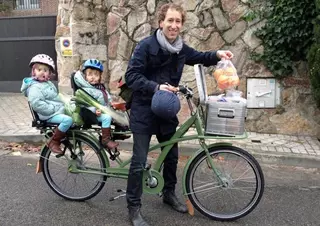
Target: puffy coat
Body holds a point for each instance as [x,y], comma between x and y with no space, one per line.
[94,92]
[150,66]
[43,98]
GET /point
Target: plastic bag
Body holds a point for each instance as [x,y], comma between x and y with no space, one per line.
[226,75]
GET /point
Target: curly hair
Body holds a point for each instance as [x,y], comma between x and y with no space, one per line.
[162,11]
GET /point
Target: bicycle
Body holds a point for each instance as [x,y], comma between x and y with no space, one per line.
[221,181]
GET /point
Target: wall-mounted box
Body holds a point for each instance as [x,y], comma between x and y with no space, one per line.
[263,93]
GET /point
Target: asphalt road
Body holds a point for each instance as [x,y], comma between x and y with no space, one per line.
[292,197]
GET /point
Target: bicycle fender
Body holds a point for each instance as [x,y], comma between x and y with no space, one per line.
[39,162]
[95,140]
[195,155]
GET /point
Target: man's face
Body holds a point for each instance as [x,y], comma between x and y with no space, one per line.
[92,76]
[171,25]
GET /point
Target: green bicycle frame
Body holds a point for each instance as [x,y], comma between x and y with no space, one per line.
[121,171]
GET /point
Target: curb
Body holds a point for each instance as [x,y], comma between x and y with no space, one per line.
[33,138]
[288,159]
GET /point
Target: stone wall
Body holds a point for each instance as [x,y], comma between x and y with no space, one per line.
[110,29]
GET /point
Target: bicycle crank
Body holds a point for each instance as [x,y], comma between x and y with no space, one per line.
[152,182]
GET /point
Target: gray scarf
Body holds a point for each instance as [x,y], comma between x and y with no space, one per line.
[174,47]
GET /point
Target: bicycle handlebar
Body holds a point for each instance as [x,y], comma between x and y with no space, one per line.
[187,91]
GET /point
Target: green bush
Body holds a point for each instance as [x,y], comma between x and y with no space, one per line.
[314,57]
[287,35]
[5,6]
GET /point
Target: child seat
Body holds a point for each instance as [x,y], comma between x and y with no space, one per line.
[37,122]
[89,117]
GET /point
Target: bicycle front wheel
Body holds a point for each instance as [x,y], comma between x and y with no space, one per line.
[232,192]
[69,185]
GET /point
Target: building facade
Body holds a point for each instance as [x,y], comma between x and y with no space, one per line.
[29,7]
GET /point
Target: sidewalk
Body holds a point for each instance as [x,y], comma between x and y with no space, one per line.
[15,126]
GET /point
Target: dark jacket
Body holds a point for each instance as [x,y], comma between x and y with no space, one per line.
[150,66]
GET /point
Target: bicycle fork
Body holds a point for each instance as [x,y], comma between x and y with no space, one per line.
[210,164]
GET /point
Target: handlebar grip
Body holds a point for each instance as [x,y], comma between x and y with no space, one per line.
[183,89]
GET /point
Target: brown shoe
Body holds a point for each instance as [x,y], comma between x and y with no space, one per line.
[106,139]
[54,143]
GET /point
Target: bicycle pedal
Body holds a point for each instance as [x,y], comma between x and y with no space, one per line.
[117,197]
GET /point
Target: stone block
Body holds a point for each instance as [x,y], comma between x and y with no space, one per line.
[113,22]
[125,46]
[249,37]
[113,45]
[232,34]
[191,22]
[237,13]
[82,12]
[142,32]
[135,19]
[221,22]
[228,5]
[151,6]
[92,51]
[215,42]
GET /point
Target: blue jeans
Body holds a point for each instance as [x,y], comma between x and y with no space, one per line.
[65,121]
[105,120]
[141,144]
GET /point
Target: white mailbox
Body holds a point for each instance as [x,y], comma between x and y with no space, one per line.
[263,93]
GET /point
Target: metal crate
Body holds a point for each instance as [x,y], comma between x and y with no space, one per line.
[221,118]
[225,118]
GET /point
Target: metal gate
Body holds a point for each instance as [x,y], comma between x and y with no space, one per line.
[20,39]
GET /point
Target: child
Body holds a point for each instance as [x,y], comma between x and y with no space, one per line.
[43,98]
[90,81]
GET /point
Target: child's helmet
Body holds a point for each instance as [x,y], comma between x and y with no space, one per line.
[165,104]
[42,59]
[92,63]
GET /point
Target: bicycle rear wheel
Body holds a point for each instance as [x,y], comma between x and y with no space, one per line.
[75,186]
[239,191]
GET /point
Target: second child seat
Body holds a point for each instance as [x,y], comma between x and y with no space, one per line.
[119,123]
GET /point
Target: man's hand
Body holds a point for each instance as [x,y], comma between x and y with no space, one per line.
[98,112]
[168,87]
[224,54]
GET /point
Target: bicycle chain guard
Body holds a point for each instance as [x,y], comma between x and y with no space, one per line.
[155,175]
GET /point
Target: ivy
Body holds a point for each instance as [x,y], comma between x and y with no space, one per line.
[6,5]
[314,58]
[287,34]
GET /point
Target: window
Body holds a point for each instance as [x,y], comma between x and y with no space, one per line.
[27,4]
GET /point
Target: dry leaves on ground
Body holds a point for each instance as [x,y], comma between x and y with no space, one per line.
[23,147]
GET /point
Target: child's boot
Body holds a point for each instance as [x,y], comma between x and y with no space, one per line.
[54,143]
[106,139]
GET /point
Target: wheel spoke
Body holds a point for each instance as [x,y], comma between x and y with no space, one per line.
[241,184]
[71,184]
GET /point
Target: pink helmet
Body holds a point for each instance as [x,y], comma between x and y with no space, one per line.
[42,59]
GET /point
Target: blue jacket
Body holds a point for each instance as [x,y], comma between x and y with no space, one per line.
[43,98]
[94,92]
[150,66]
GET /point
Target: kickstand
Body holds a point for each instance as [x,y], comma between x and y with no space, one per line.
[118,196]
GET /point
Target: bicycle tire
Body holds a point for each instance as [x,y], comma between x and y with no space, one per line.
[46,156]
[217,213]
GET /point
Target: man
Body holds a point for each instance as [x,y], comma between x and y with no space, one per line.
[157,64]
